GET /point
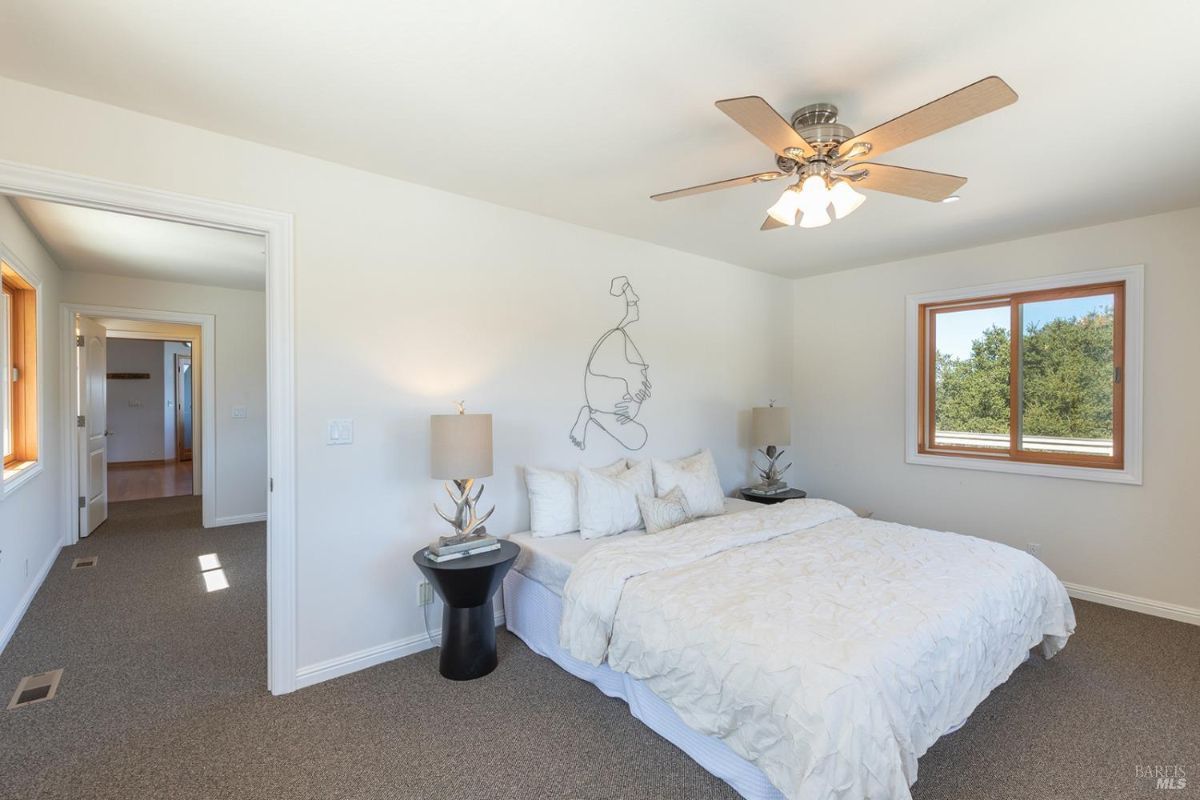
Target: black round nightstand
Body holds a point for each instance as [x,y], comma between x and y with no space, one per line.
[789,494]
[466,586]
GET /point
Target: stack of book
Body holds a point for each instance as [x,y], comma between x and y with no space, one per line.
[766,491]
[439,552]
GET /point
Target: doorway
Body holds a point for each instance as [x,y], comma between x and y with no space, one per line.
[148,401]
[276,228]
[139,400]
[183,407]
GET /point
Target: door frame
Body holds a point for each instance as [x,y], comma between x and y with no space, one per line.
[207,485]
[193,368]
[277,228]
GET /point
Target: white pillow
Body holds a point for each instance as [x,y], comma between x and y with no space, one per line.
[660,513]
[697,477]
[554,498]
[608,504]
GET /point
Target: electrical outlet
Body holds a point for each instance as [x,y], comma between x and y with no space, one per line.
[424,593]
[1034,549]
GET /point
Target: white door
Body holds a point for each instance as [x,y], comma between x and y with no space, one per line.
[93,433]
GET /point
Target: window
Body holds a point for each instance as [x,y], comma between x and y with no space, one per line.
[1027,376]
[19,360]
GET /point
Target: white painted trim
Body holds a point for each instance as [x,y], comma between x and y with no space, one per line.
[25,473]
[237,519]
[205,420]
[276,226]
[371,656]
[1134,277]
[41,331]
[10,627]
[1143,605]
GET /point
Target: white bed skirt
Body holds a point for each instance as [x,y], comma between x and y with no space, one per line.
[533,612]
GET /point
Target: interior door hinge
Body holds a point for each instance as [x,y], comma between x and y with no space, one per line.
[1116,374]
[270,484]
[80,421]
[82,502]
[79,340]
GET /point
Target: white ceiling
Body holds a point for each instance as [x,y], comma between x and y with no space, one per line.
[90,240]
[581,110]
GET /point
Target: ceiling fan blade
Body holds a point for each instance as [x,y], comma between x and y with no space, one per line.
[955,108]
[770,224]
[756,116]
[712,187]
[931,186]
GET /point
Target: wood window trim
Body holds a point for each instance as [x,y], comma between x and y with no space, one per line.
[22,354]
[926,377]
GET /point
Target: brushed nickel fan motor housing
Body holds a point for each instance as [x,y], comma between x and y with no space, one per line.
[817,123]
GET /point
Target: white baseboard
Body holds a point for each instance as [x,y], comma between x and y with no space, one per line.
[353,662]
[238,519]
[10,627]
[1128,602]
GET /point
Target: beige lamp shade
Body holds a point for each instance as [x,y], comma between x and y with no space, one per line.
[460,446]
[771,425]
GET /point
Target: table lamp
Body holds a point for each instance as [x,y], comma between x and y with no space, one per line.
[460,452]
[769,427]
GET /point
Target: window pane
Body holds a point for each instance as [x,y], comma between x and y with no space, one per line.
[1067,375]
[6,383]
[971,399]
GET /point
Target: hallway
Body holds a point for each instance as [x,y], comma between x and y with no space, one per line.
[147,481]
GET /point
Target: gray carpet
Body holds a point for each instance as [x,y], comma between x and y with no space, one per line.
[164,696]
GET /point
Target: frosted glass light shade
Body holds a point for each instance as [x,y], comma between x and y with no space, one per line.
[770,425]
[814,194]
[785,208]
[845,200]
[460,446]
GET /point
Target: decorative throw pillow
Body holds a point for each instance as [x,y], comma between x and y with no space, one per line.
[608,504]
[660,513]
[554,498]
[697,477]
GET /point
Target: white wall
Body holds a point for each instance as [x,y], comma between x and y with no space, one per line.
[239,378]
[408,299]
[31,519]
[135,407]
[1142,541]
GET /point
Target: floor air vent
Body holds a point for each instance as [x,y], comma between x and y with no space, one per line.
[86,561]
[35,688]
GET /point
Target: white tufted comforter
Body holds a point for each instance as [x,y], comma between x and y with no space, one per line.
[831,651]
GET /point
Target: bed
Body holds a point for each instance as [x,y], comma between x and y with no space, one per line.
[793,650]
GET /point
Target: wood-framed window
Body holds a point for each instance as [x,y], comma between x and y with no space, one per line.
[1032,377]
[19,361]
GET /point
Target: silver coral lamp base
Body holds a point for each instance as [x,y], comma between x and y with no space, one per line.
[469,530]
[771,482]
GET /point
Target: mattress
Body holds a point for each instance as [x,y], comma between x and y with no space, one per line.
[550,559]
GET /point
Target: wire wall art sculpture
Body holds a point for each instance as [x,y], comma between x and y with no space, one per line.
[616,381]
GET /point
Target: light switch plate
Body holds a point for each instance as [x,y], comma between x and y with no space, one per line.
[341,431]
[239,412]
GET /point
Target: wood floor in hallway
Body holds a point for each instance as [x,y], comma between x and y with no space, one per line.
[147,481]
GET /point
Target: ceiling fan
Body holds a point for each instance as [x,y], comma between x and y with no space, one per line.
[826,158]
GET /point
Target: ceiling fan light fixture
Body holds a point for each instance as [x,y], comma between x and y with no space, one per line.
[785,208]
[845,200]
